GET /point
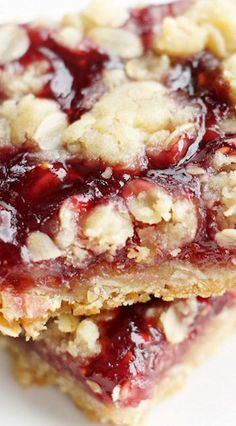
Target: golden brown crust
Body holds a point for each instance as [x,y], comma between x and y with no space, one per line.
[30,369]
[32,309]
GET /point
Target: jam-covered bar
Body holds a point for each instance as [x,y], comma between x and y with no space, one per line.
[117,159]
[116,364]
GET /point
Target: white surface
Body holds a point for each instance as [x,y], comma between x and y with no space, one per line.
[207,400]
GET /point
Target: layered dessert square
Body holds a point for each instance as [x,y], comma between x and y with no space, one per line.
[117,364]
[117,175]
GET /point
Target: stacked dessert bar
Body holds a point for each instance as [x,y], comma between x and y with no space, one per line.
[118,198]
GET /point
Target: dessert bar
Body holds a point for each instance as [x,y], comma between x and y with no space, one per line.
[117,159]
[117,364]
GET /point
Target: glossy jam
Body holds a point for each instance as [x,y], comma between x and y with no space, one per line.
[76,81]
[135,353]
[31,192]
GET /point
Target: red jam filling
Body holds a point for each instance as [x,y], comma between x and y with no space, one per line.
[76,74]
[31,195]
[135,353]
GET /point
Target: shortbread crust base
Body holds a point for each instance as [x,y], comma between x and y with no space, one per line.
[31,309]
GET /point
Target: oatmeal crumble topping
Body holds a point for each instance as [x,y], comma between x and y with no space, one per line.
[177,319]
[85,343]
[37,119]
[206,25]
[14,43]
[107,228]
[127,134]
[41,247]
[101,13]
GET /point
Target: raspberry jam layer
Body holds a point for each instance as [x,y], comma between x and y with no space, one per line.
[135,351]
[32,190]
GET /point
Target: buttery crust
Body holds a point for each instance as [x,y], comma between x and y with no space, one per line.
[29,369]
[31,309]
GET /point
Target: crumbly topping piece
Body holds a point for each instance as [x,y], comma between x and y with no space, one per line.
[41,247]
[151,206]
[228,125]
[180,37]
[86,341]
[229,74]
[115,134]
[176,218]
[177,319]
[103,13]
[73,20]
[18,81]
[37,119]
[114,77]
[107,228]
[5,132]
[140,254]
[207,24]
[117,41]
[68,36]
[226,238]
[222,161]
[67,323]
[182,227]
[148,67]
[221,189]
[14,43]
[68,229]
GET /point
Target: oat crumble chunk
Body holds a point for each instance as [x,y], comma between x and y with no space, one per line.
[117,364]
[117,159]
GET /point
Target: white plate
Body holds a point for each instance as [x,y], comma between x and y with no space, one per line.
[209,397]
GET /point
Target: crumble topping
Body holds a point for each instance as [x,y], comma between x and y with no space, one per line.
[177,319]
[117,135]
[117,41]
[41,247]
[226,238]
[148,67]
[38,119]
[229,74]
[206,25]
[85,343]
[5,132]
[152,205]
[14,43]
[68,227]
[67,323]
[69,36]
[101,13]
[180,37]
[222,187]
[107,228]
[20,80]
